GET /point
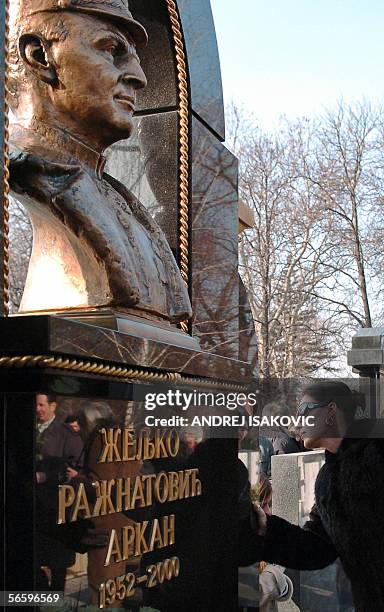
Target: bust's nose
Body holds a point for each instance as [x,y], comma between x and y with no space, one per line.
[134,75]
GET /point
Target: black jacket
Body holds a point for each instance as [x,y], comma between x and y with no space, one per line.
[347,522]
[57,448]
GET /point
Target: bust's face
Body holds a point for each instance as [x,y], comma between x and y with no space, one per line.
[98,74]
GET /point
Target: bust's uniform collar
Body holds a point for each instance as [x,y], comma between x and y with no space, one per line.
[68,147]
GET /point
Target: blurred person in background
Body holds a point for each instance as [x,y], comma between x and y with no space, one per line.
[191,436]
[263,585]
[58,448]
[284,441]
[251,440]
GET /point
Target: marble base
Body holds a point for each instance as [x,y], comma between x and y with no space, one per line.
[136,326]
[63,336]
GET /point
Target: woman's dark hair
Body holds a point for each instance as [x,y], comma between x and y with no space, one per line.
[93,414]
[265,489]
[71,418]
[334,391]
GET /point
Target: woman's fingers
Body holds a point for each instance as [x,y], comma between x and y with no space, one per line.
[259,520]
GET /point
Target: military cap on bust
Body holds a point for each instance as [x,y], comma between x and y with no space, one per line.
[116,10]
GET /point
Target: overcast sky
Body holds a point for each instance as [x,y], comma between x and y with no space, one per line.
[294,57]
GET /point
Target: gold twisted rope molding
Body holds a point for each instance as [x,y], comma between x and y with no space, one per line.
[184,143]
[105,369]
[6,169]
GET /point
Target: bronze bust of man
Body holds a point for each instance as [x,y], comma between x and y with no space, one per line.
[74,73]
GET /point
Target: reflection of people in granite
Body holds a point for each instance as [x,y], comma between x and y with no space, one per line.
[73,81]
[92,416]
[57,448]
[191,436]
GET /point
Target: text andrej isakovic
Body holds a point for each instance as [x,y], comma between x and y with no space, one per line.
[231,401]
[233,420]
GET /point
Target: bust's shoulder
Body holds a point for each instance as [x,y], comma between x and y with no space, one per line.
[38,158]
[33,172]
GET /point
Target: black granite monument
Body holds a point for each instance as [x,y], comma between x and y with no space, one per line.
[133,280]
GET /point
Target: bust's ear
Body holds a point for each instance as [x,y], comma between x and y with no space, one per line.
[34,53]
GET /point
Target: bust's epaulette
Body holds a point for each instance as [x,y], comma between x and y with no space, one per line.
[32,174]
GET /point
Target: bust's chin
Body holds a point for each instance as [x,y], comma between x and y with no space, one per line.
[121,130]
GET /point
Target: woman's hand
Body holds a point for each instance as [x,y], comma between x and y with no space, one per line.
[71,473]
[259,520]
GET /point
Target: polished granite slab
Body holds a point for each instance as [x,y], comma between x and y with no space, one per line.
[158,58]
[205,525]
[147,164]
[215,278]
[203,63]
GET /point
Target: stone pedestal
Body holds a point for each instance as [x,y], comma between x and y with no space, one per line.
[293,480]
[84,364]
[367,358]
